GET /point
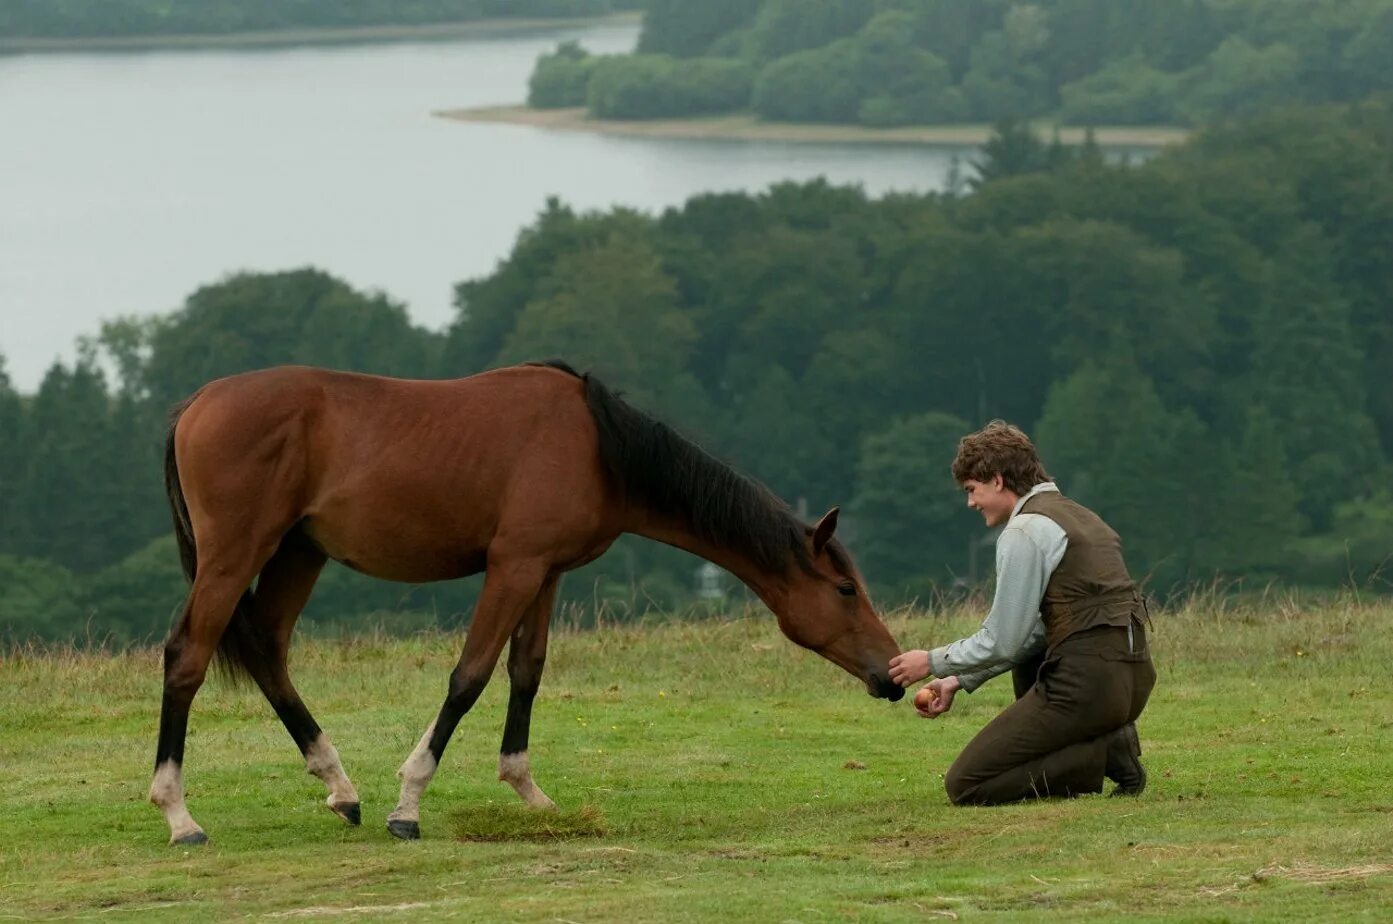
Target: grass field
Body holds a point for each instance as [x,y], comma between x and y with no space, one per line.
[714,772]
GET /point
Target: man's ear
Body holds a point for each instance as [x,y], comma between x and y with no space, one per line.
[822,532]
[999,481]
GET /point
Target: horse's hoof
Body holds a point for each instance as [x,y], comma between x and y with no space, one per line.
[404,830]
[350,812]
[192,839]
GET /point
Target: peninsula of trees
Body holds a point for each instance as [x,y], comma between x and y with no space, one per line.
[907,62]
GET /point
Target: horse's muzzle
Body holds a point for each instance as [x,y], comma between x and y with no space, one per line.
[884,688]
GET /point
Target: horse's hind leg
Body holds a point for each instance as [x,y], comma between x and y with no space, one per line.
[510,587]
[527,654]
[281,593]
[214,597]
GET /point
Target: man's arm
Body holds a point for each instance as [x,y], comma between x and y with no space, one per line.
[1034,644]
[1012,630]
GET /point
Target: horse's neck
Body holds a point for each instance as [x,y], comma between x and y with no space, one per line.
[768,586]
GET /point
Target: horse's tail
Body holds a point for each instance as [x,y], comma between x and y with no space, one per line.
[240,644]
[183,529]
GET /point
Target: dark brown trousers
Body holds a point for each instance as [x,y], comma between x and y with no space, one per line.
[1052,741]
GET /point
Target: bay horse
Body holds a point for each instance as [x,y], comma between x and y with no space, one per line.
[522,473]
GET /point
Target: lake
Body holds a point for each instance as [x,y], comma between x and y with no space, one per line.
[128,179]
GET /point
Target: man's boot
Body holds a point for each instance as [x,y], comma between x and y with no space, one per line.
[1124,762]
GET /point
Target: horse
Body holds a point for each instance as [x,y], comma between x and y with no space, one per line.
[523,473]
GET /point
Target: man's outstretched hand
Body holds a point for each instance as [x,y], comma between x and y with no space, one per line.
[937,697]
[910,667]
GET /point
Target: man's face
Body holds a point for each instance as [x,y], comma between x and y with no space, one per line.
[991,498]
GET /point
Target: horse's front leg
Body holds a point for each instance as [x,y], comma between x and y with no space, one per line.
[527,654]
[510,588]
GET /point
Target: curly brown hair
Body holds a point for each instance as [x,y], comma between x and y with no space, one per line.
[1001,449]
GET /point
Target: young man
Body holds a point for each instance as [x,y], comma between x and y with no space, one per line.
[1067,620]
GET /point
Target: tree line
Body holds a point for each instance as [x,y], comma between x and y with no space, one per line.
[103,18]
[1201,344]
[899,62]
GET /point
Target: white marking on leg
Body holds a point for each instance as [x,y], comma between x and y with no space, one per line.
[167,791]
[516,771]
[322,760]
[415,774]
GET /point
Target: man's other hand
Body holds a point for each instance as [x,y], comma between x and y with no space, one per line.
[940,700]
[910,667]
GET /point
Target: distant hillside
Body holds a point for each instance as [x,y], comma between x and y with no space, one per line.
[904,62]
[129,18]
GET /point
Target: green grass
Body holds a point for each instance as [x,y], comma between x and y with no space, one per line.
[710,772]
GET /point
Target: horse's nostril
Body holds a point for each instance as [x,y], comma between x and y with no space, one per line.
[883,687]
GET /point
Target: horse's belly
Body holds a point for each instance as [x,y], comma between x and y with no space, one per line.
[414,554]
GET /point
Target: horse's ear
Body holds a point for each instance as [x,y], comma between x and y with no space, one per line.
[822,532]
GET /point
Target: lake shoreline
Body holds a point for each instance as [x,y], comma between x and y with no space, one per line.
[472,28]
[746,127]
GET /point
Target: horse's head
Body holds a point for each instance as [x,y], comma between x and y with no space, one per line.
[826,609]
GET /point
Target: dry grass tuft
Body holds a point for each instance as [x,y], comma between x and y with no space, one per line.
[1307,872]
[493,823]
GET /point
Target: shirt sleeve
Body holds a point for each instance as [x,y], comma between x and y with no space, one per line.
[1013,630]
[1032,646]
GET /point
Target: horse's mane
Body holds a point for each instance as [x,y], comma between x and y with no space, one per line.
[657,467]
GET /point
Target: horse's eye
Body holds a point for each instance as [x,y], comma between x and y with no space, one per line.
[847,590]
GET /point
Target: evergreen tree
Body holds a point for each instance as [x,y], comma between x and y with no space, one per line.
[1306,373]
[911,522]
[774,438]
[1254,519]
[1118,450]
[611,309]
[72,500]
[1012,150]
[254,321]
[13,463]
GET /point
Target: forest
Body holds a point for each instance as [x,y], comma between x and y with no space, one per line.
[1201,344]
[903,62]
[110,18]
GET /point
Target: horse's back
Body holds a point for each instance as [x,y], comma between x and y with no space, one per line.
[405,478]
[351,407]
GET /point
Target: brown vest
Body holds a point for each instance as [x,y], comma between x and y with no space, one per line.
[1091,586]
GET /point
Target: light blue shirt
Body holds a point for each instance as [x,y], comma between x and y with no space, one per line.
[1028,550]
